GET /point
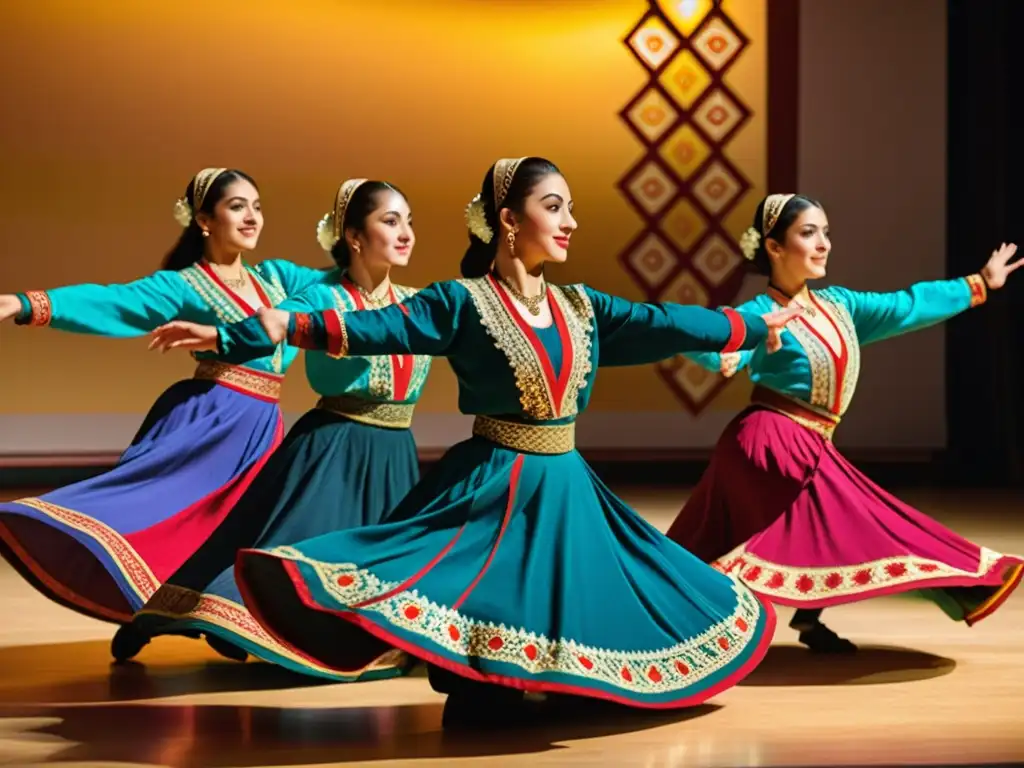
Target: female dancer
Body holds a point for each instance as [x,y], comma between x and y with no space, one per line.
[778,506]
[344,463]
[511,563]
[102,546]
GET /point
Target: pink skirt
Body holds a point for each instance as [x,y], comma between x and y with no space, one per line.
[781,508]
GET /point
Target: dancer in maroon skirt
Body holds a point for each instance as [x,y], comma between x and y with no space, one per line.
[779,506]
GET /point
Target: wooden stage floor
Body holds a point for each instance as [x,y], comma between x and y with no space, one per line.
[923,691]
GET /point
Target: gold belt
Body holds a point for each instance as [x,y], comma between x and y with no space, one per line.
[265,386]
[388,415]
[803,414]
[527,438]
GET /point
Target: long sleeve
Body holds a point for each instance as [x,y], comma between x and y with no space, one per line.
[879,316]
[246,340]
[295,278]
[424,324]
[119,311]
[636,334]
[712,361]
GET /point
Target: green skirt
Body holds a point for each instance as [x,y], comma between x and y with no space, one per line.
[329,474]
[517,569]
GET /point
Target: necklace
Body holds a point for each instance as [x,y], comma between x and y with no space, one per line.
[375,299]
[808,308]
[532,303]
[232,282]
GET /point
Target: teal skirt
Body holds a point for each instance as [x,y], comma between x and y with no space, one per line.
[521,570]
[330,473]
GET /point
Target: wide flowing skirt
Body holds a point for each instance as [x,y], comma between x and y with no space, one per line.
[784,511]
[517,569]
[330,473]
[104,545]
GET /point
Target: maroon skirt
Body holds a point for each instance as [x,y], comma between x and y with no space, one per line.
[781,508]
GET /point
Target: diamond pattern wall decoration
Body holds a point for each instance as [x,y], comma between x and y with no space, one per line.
[683,186]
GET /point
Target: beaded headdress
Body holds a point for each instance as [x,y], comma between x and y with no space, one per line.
[501,179]
[328,230]
[201,183]
[751,238]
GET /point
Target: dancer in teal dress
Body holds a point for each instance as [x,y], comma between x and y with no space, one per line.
[104,545]
[511,567]
[344,463]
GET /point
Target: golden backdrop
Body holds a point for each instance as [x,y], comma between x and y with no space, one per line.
[115,103]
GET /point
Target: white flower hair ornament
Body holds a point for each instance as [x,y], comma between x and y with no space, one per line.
[325,233]
[476,220]
[750,241]
[182,212]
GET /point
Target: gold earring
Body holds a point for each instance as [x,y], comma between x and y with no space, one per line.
[511,237]
[356,248]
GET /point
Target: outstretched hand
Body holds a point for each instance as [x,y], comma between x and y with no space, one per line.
[9,306]
[776,322]
[998,267]
[180,334]
[274,322]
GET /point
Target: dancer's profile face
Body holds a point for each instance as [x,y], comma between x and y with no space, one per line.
[237,219]
[387,237]
[546,223]
[803,255]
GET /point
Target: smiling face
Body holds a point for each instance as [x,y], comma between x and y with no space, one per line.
[803,253]
[545,225]
[237,219]
[387,237]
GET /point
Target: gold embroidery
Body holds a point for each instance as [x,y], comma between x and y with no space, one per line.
[804,583]
[657,671]
[823,374]
[848,332]
[390,415]
[227,309]
[382,375]
[132,567]
[233,617]
[526,438]
[534,391]
[579,318]
[265,385]
[40,307]
[978,288]
[815,419]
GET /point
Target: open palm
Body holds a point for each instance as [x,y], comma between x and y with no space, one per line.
[998,267]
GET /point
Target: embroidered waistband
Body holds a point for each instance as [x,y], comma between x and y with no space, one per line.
[389,415]
[265,386]
[527,438]
[803,414]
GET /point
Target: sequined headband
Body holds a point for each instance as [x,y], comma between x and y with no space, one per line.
[504,172]
[773,207]
[329,228]
[201,183]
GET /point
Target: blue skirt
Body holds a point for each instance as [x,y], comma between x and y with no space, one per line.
[330,473]
[104,545]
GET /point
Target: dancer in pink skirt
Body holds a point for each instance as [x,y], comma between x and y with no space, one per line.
[779,506]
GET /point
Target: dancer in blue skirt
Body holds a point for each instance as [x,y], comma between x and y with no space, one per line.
[104,545]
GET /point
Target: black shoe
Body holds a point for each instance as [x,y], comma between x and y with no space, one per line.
[486,706]
[226,649]
[821,639]
[127,642]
